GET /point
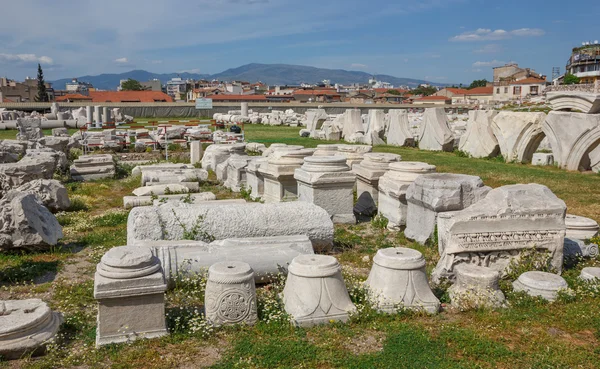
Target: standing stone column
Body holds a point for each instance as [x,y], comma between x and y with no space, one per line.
[244,109]
[398,280]
[97,116]
[130,288]
[328,182]
[196,151]
[230,296]
[89,115]
[368,172]
[106,115]
[280,184]
[326,150]
[392,190]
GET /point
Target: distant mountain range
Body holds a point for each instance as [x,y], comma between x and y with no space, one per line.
[271,74]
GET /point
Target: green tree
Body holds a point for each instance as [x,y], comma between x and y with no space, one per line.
[42,94]
[425,91]
[132,85]
[394,92]
[571,79]
[478,83]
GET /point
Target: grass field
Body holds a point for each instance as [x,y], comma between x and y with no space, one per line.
[529,334]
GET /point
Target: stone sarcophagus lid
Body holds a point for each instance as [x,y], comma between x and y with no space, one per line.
[499,227]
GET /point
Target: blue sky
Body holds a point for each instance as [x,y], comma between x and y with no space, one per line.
[446,41]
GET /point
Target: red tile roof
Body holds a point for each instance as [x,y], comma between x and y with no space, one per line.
[457,91]
[5,100]
[316,92]
[481,91]
[71,97]
[529,81]
[130,96]
[238,97]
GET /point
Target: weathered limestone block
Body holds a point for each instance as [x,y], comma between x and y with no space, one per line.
[314,119]
[49,191]
[540,284]
[221,171]
[572,136]
[60,132]
[167,222]
[328,182]
[92,167]
[354,154]
[26,223]
[255,148]
[352,123]
[586,102]
[518,134]
[137,171]
[26,326]
[218,153]
[55,143]
[540,158]
[392,190]
[479,140]
[130,288]
[326,150]
[14,146]
[580,228]
[368,173]
[476,287]
[279,182]
[434,134]
[268,256]
[236,172]
[431,194]
[495,230]
[29,129]
[315,292]
[398,280]
[171,188]
[375,127]
[274,147]
[173,176]
[230,296]
[254,179]
[196,152]
[8,157]
[398,133]
[591,274]
[13,175]
[52,160]
[190,198]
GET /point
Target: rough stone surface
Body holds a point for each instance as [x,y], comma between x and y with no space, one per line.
[591,274]
[236,172]
[218,153]
[190,198]
[398,133]
[540,158]
[55,143]
[518,134]
[13,175]
[352,123]
[586,102]
[315,292]
[326,150]
[183,187]
[130,288]
[375,132]
[497,229]
[230,296]
[29,129]
[354,153]
[580,227]
[434,134]
[254,179]
[137,171]
[479,140]
[368,173]
[540,284]
[230,221]
[431,194]
[476,287]
[26,326]
[26,223]
[93,167]
[392,190]
[173,176]
[52,160]
[50,192]
[398,280]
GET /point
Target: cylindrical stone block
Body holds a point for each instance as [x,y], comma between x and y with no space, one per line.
[326,150]
[476,287]
[230,296]
[89,115]
[591,274]
[542,284]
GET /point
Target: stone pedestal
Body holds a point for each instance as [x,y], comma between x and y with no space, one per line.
[254,179]
[230,296]
[315,292]
[93,167]
[354,154]
[280,184]
[327,182]
[541,284]
[130,288]
[476,287]
[431,194]
[280,147]
[392,188]
[580,228]
[196,151]
[326,150]
[368,173]
[25,327]
[236,172]
[591,274]
[398,280]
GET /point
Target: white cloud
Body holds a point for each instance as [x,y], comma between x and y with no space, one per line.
[486,34]
[358,66]
[25,59]
[489,49]
[493,63]
[121,60]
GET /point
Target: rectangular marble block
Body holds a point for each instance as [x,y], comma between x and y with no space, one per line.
[255,182]
[280,189]
[129,318]
[336,198]
[195,152]
[393,209]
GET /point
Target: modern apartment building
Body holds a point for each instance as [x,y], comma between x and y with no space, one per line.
[585,62]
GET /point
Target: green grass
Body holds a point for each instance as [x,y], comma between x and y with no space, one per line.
[530,334]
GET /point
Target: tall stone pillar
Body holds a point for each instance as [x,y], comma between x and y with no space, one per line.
[89,115]
[196,152]
[244,109]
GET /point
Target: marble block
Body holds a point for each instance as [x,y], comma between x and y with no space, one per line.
[279,182]
[354,154]
[236,172]
[255,182]
[315,292]
[218,153]
[591,274]
[196,152]
[540,158]
[580,228]
[326,150]
[541,284]
[476,287]
[26,326]
[327,182]
[392,188]
[369,171]
[398,280]
[130,288]
[230,296]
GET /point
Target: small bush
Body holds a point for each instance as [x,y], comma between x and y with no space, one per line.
[379,222]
